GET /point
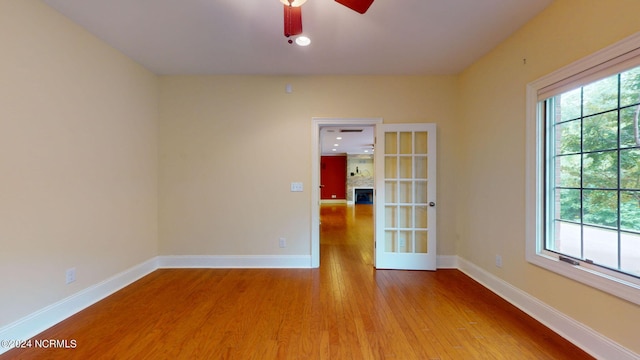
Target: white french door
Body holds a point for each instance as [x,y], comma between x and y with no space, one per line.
[405,160]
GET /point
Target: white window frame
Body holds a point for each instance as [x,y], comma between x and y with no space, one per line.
[610,60]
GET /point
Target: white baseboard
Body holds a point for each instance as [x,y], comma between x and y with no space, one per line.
[235,261]
[35,323]
[577,333]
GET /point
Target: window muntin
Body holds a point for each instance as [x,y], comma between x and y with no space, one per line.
[592,173]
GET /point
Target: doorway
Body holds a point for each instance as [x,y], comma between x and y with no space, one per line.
[318,124]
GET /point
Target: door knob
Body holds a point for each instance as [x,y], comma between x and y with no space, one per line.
[432,204]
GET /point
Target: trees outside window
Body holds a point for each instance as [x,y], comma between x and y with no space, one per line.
[592,173]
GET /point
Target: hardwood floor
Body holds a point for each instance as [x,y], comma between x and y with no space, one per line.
[343,310]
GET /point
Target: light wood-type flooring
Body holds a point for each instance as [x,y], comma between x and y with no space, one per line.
[343,310]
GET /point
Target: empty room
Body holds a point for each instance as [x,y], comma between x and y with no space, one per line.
[161,193]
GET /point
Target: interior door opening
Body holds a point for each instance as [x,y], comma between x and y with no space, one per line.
[353,139]
[346,191]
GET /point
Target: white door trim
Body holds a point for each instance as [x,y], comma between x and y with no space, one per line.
[318,122]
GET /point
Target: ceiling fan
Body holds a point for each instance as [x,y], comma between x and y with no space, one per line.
[293,13]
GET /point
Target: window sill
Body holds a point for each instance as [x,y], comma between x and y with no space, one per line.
[615,286]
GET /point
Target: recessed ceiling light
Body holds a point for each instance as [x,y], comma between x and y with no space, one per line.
[336,144]
[333,150]
[366,151]
[339,138]
[303,41]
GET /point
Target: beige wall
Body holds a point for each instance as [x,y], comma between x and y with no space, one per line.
[231,145]
[492,206]
[78,159]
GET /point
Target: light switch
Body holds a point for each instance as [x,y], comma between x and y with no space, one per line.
[296,187]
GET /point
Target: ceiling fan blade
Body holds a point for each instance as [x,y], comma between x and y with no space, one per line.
[360,6]
[292,20]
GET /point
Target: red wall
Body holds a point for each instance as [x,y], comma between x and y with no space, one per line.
[333,175]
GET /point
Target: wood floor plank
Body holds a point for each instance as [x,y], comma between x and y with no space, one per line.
[344,310]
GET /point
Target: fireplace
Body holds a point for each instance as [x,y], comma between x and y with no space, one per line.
[363,195]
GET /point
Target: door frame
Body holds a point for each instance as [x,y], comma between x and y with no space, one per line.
[317,123]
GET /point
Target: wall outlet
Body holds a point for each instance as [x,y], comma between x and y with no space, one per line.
[296,187]
[70,275]
[282,242]
[499,261]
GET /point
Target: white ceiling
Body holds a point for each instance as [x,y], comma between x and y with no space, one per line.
[394,37]
[246,36]
[346,140]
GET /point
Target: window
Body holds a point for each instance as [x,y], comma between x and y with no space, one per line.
[584,154]
[592,166]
